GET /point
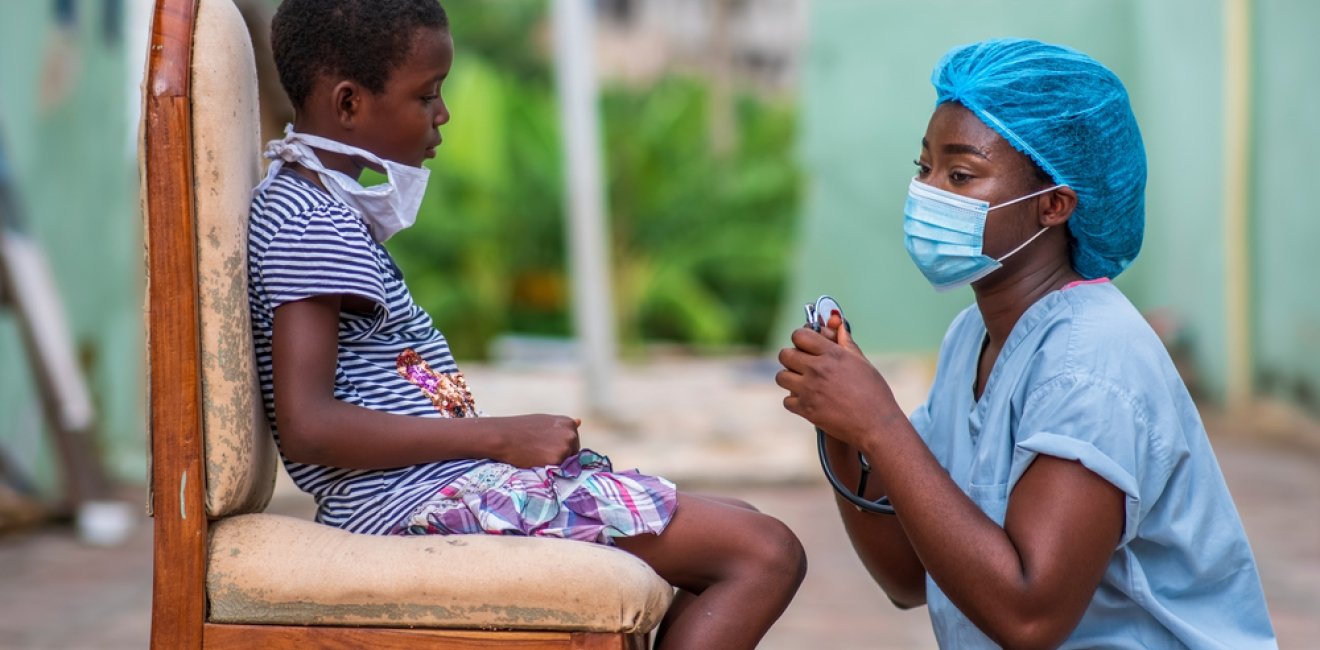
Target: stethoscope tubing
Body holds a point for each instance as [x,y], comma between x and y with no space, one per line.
[880,506]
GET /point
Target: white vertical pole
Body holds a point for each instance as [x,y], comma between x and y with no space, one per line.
[588,254]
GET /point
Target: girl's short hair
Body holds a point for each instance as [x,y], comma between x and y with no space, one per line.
[360,40]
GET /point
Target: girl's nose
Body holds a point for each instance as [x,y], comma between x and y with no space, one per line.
[442,115]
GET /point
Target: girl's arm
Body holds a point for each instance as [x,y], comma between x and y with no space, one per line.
[1025,584]
[318,429]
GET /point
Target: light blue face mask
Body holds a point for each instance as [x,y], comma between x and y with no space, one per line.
[943,233]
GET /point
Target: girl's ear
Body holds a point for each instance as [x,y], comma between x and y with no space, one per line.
[347,102]
[1057,206]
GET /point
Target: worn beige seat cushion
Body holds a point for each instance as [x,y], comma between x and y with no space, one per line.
[268,569]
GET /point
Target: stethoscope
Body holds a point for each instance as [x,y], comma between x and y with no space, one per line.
[818,315]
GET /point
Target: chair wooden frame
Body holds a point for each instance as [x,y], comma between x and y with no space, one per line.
[179,602]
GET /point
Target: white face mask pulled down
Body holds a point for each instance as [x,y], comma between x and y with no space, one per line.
[386,208]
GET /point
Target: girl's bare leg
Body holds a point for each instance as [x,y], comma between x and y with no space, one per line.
[683,598]
[740,567]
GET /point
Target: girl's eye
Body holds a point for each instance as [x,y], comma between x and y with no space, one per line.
[959,177]
[430,98]
[922,169]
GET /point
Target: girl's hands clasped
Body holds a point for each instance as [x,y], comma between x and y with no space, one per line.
[831,384]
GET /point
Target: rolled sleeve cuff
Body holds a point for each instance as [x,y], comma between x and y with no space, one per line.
[1050,444]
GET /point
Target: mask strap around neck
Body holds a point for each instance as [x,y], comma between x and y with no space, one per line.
[319,143]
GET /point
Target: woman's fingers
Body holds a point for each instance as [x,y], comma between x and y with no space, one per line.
[788,380]
[814,370]
[810,341]
[792,404]
[793,359]
[846,339]
[839,332]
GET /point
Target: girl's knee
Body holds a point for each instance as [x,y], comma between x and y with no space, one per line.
[777,549]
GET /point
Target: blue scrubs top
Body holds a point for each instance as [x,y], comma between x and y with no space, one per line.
[1083,377]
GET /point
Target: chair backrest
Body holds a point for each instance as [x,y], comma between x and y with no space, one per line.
[240,456]
[221,152]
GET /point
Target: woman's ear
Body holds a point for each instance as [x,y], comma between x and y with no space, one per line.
[346,97]
[1057,206]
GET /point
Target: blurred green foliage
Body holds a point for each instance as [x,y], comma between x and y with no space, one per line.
[700,242]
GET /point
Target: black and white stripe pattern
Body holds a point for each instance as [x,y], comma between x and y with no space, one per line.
[303,243]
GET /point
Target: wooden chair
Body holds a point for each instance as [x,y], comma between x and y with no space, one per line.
[226,574]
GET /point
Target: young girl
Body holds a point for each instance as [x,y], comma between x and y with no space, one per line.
[370,413]
[1057,487]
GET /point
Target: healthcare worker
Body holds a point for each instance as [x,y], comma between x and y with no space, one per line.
[1057,488]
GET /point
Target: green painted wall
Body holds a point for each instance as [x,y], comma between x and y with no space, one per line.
[75,163]
[1286,216]
[1179,103]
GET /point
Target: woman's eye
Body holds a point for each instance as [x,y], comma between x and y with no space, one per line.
[959,177]
[922,169]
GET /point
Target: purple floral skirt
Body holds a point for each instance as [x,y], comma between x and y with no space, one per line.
[582,498]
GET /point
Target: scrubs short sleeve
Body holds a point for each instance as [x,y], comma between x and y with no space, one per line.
[1100,425]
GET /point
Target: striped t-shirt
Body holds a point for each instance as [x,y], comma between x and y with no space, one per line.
[302,242]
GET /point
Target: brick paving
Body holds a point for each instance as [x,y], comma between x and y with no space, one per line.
[714,426]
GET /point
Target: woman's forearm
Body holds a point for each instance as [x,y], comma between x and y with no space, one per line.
[964,551]
[1027,591]
[879,540]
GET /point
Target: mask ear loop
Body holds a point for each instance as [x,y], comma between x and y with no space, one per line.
[1038,232]
[1024,198]
[1022,245]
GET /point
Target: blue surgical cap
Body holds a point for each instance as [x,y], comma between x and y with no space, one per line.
[1071,116]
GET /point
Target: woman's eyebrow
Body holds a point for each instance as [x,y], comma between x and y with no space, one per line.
[967,149]
[958,148]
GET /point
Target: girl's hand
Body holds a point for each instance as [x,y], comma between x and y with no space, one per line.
[832,385]
[537,440]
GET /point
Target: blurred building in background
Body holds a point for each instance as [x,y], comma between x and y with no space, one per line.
[757,41]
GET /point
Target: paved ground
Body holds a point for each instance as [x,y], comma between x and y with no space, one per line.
[714,426]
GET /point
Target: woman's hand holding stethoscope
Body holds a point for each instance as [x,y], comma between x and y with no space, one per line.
[831,384]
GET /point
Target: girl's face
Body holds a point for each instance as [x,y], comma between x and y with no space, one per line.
[402,123]
[962,155]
